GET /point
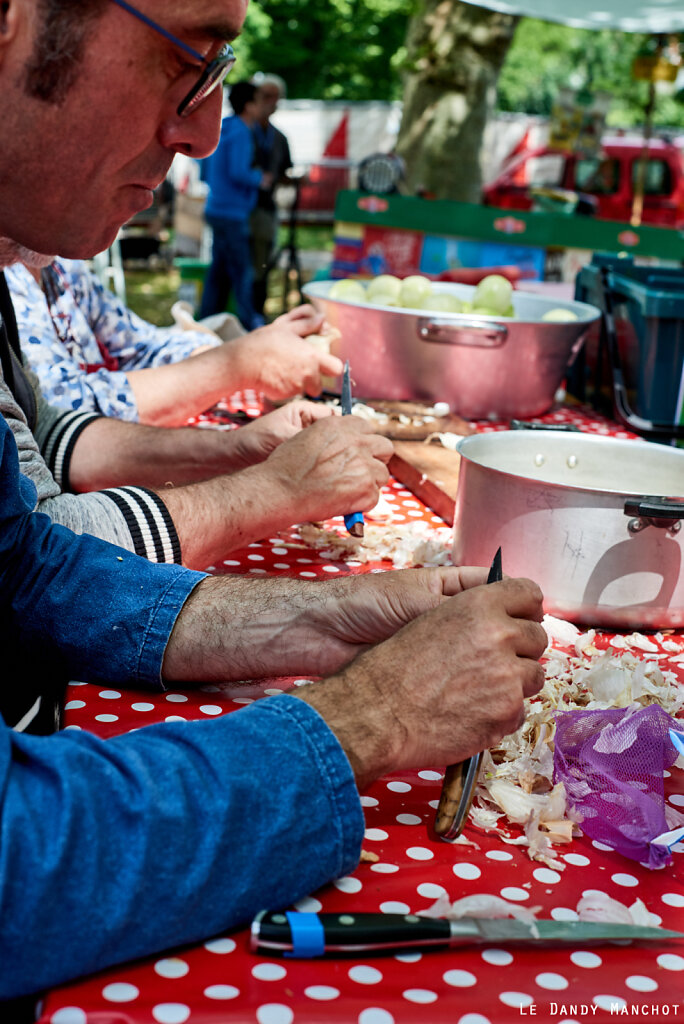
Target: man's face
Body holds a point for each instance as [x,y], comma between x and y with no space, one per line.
[267,100]
[72,174]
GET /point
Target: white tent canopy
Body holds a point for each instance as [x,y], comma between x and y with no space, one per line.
[664,16]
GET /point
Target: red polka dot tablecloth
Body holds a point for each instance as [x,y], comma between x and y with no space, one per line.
[221,981]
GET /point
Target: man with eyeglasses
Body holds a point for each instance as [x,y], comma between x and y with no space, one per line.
[118,849]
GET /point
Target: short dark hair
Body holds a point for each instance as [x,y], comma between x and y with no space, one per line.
[58,50]
[241,94]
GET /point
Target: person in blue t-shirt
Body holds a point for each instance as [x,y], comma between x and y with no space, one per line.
[234,184]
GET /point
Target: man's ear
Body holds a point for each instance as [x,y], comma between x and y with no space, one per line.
[9,18]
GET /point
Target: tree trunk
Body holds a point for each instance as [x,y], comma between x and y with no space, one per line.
[455,54]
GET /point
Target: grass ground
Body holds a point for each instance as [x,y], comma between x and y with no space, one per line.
[150,292]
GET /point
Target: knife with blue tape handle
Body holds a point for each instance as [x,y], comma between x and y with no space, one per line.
[294,934]
[354,520]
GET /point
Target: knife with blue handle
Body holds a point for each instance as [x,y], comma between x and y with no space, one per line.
[293,934]
[458,787]
[354,520]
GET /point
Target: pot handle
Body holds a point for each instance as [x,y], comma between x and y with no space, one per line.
[473,333]
[654,511]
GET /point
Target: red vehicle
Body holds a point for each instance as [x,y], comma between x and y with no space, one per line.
[607,180]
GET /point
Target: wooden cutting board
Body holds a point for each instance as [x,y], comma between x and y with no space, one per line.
[430,472]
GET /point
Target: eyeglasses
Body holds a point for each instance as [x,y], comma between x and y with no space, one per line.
[214,72]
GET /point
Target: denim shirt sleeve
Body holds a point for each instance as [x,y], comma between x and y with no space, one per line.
[112,850]
[76,604]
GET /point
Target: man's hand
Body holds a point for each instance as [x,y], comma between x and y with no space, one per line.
[444,687]
[335,466]
[255,441]
[277,361]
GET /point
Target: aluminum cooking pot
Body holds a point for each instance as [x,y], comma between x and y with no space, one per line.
[595,521]
[482,366]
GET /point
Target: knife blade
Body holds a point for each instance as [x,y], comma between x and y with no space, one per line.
[458,787]
[353,520]
[294,934]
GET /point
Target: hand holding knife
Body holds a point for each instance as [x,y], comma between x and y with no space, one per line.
[354,520]
[458,787]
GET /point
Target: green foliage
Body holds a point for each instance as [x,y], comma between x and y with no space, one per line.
[545,57]
[326,49]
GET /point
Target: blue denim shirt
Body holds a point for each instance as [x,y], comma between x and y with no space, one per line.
[116,849]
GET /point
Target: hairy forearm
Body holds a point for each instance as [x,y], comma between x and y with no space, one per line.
[166,396]
[219,515]
[110,453]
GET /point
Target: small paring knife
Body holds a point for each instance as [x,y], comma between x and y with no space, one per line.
[354,520]
[458,787]
[294,934]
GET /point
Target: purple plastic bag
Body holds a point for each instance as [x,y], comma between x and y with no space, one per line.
[612,763]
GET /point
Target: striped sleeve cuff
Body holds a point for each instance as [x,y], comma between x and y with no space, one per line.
[59,443]
[151,526]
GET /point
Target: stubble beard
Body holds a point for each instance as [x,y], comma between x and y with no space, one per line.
[13,252]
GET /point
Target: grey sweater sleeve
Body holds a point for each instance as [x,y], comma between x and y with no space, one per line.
[134,518]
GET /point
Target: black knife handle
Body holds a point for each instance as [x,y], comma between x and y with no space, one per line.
[290,934]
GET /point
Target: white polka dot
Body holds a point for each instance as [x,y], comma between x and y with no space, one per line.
[640,983]
[673,899]
[677,799]
[143,705]
[72,705]
[419,995]
[221,992]
[305,573]
[308,905]
[365,975]
[69,1015]
[321,992]
[330,568]
[671,962]
[273,691]
[231,561]
[171,1013]
[394,907]
[466,871]
[375,1015]
[210,709]
[172,967]
[577,859]
[459,979]
[399,787]
[430,776]
[281,565]
[242,700]
[546,876]
[106,718]
[305,561]
[622,879]
[258,572]
[375,834]
[609,1003]
[255,558]
[384,869]
[347,884]
[269,972]
[409,819]
[274,1013]
[279,551]
[498,957]
[551,981]
[176,698]
[582,958]
[77,727]
[515,999]
[473,1018]
[120,992]
[499,855]
[419,853]
[430,890]
[175,718]
[109,694]
[564,914]
[369,801]
[511,892]
[220,945]
[408,958]
[601,846]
